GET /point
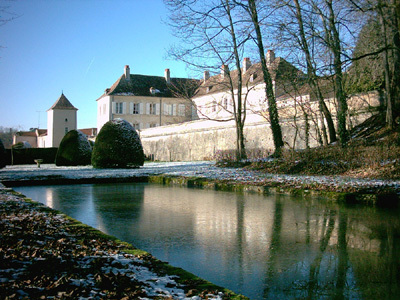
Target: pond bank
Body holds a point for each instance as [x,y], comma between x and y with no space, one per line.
[46,254]
[207,175]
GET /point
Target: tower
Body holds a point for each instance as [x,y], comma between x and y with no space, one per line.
[61,118]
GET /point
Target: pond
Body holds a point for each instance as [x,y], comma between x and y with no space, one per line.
[264,247]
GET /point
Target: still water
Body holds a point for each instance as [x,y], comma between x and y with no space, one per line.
[275,247]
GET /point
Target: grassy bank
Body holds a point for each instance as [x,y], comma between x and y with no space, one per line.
[373,152]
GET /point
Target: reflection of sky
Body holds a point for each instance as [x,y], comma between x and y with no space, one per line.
[257,245]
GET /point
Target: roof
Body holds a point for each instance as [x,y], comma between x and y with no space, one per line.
[141,85]
[34,133]
[89,131]
[280,70]
[63,103]
[42,132]
[25,133]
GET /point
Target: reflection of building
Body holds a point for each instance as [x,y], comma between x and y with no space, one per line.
[61,118]
[144,101]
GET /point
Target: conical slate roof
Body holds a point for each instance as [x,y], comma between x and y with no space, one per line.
[63,103]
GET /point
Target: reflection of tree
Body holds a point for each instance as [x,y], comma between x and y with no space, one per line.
[327,228]
[274,245]
[240,233]
[342,256]
[390,247]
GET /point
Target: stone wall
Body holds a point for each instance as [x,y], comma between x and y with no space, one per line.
[203,139]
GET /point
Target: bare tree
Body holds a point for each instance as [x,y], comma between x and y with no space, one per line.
[385,47]
[390,31]
[333,42]
[213,36]
[312,72]
[6,16]
[252,10]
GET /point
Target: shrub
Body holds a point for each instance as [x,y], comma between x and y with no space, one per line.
[2,155]
[21,145]
[117,146]
[74,150]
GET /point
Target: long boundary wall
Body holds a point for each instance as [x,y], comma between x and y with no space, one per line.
[203,139]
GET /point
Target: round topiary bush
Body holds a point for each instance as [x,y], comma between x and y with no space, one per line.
[74,150]
[117,146]
[2,155]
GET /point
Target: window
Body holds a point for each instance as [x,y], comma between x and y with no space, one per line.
[104,109]
[66,130]
[153,125]
[225,103]
[136,126]
[66,120]
[119,108]
[181,110]
[153,110]
[136,109]
[167,109]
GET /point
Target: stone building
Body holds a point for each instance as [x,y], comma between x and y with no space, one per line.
[145,101]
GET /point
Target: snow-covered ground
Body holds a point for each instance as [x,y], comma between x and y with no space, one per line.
[204,169]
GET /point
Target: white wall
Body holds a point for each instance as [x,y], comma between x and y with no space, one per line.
[58,122]
[202,139]
[103,111]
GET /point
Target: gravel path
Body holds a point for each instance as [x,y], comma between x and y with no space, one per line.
[201,169]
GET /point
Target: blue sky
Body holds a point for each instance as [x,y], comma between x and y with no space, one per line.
[79,47]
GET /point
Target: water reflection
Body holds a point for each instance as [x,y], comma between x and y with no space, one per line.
[263,247]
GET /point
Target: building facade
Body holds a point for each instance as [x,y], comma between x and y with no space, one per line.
[145,101]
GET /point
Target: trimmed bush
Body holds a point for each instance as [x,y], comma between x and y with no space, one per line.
[28,155]
[21,145]
[2,155]
[117,146]
[74,150]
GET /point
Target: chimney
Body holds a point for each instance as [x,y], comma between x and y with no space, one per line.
[206,75]
[224,70]
[127,73]
[246,64]
[167,76]
[270,57]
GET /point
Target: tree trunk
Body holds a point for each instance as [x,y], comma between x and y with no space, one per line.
[240,113]
[337,66]
[312,76]
[272,107]
[386,67]
[396,57]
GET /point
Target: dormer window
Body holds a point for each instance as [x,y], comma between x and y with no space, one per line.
[209,88]
[252,77]
[154,91]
